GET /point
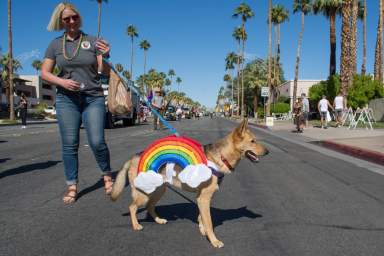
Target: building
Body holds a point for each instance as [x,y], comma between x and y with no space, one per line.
[286,89]
[36,90]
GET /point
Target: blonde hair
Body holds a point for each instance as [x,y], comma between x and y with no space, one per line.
[55,23]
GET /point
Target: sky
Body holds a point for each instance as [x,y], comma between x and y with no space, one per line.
[190,37]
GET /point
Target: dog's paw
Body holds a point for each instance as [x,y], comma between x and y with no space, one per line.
[202,230]
[217,244]
[137,227]
[160,220]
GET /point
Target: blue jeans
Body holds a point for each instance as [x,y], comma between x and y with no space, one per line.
[71,111]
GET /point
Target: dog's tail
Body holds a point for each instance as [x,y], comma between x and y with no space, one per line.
[120,181]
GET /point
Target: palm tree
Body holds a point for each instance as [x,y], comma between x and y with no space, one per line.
[345,67]
[145,45]
[245,12]
[305,7]
[279,15]
[126,74]
[268,108]
[119,68]
[357,13]
[99,15]
[10,64]
[237,34]
[330,8]
[378,68]
[171,74]
[5,74]
[36,64]
[178,81]
[132,32]
[229,65]
[363,65]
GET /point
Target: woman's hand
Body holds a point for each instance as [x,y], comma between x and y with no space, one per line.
[70,84]
[103,46]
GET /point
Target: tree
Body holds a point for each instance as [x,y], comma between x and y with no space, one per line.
[126,74]
[10,63]
[378,68]
[330,8]
[171,74]
[99,2]
[36,64]
[363,65]
[119,68]
[305,7]
[268,109]
[132,33]
[357,12]
[237,34]
[230,61]
[345,67]
[245,12]
[4,67]
[178,81]
[279,15]
[145,45]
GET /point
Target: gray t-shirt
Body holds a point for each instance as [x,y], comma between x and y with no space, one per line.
[82,68]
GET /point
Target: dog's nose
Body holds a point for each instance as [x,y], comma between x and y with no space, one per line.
[266,151]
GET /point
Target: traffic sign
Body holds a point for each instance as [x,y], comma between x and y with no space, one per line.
[264,91]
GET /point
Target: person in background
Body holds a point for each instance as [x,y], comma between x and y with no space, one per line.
[299,117]
[79,96]
[322,106]
[339,105]
[23,110]
[158,105]
[305,109]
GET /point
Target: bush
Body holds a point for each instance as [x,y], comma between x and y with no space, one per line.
[280,107]
[40,108]
[362,90]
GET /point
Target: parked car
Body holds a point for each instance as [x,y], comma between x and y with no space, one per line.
[50,110]
[186,113]
[170,113]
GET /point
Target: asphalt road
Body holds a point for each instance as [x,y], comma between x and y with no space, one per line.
[296,201]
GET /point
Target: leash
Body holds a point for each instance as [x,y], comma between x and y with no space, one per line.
[153,110]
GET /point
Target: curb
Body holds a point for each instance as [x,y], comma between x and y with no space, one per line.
[31,123]
[369,155]
[262,126]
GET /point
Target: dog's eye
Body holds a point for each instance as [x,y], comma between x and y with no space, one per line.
[253,141]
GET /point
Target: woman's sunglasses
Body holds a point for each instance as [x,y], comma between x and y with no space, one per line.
[68,19]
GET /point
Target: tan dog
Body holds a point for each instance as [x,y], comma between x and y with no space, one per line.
[225,153]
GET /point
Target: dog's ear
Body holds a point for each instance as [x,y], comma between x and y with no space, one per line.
[240,130]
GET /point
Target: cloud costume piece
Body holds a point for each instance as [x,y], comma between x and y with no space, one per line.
[148,181]
[194,175]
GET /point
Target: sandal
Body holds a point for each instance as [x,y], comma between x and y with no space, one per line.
[70,195]
[108,184]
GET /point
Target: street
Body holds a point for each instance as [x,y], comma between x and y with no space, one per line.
[296,201]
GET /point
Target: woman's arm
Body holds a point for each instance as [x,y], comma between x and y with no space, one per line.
[47,75]
[103,47]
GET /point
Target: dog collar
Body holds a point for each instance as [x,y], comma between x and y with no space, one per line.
[215,170]
[227,164]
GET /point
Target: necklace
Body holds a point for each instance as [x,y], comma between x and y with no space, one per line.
[76,52]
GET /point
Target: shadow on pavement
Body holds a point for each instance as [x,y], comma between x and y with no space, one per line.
[190,211]
[99,184]
[28,168]
[3,160]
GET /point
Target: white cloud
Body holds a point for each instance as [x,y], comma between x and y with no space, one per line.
[148,181]
[194,175]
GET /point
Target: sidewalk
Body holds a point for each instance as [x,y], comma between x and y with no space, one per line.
[360,143]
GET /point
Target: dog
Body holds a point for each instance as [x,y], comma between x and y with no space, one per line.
[225,153]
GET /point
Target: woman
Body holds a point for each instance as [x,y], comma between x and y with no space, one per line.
[79,96]
[23,110]
[299,117]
